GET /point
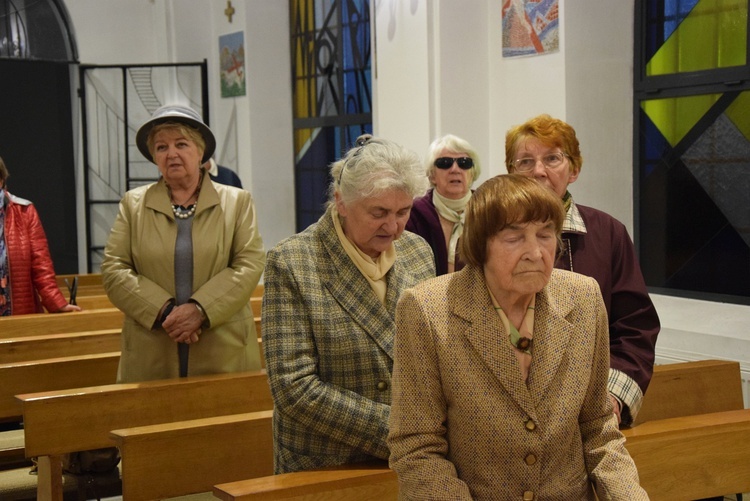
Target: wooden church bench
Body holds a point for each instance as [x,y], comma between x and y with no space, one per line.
[59,422]
[57,323]
[361,482]
[189,457]
[689,388]
[46,346]
[693,457]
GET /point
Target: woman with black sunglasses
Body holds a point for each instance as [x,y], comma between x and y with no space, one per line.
[452,166]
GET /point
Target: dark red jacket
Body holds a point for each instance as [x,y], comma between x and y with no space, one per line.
[607,254]
[32,274]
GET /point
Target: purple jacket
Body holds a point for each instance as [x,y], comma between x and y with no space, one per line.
[607,254]
[425,222]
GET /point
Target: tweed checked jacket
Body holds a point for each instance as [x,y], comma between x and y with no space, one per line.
[328,344]
[464,425]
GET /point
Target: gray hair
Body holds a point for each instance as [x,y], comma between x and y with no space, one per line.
[453,144]
[373,166]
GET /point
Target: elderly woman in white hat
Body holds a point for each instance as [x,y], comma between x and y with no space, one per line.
[182,260]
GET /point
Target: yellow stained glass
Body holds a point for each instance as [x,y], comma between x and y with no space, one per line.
[738,113]
[674,117]
[303,19]
[713,35]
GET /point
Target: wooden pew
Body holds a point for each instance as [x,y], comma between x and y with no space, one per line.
[181,458]
[693,457]
[94,302]
[692,442]
[53,374]
[14,350]
[361,482]
[690,388]
[256,304]
[60,422]
[42,375]
[58,323]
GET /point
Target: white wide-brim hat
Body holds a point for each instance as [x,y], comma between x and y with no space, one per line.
[180,114]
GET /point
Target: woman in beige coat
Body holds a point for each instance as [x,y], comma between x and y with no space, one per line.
[500,369]
[182,260]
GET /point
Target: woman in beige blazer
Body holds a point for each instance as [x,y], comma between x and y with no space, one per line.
[500,369]
[182,260]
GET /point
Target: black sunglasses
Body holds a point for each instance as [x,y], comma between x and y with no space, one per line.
[447,162]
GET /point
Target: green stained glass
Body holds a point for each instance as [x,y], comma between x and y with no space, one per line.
[713,35]
[674,117]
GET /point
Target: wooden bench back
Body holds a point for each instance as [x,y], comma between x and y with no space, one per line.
[692,457]
[46,346]
[53,374]
[58,422]
[360,482]
[94,302]
[690,388]
[180,458]
[58,323]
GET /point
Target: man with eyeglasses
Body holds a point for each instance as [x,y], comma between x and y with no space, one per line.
[452,166]
[597,245]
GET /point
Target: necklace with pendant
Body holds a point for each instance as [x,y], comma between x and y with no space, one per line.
[519,342]
[184,213]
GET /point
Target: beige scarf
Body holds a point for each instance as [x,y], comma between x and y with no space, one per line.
[373,270]
[453,211]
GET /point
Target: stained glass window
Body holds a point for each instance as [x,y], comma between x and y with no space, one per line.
[692,147]
[332,98]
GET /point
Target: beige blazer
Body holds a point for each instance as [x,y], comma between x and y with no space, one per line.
[463,424]
[138,275]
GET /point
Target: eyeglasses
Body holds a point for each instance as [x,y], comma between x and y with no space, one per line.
[464,163]
[550,161]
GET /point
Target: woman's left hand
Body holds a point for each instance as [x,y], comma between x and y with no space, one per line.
[183,324]
[68,307]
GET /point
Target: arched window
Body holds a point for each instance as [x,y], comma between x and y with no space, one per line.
[36,29]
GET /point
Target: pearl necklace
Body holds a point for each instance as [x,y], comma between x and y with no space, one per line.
[183,215]
[177,210]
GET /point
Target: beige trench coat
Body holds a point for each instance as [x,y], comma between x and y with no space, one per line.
[464,425]
[138,275]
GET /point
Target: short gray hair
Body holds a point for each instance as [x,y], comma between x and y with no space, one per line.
[454,144]
[375,165]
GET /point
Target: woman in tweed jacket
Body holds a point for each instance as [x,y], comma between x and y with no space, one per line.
[500,372]
[329,307]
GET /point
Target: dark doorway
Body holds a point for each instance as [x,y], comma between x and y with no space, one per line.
[36,142]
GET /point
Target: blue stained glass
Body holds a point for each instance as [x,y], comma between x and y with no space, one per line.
[674,12]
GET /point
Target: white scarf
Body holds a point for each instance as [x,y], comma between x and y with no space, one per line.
[453,211]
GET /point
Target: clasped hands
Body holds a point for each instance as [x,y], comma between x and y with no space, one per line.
[183,324]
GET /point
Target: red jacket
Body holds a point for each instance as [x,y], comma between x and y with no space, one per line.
[32,274]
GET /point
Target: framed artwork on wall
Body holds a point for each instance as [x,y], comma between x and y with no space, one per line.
[232,63]
[530,27]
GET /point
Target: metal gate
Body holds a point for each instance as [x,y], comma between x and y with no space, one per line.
[115,101]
